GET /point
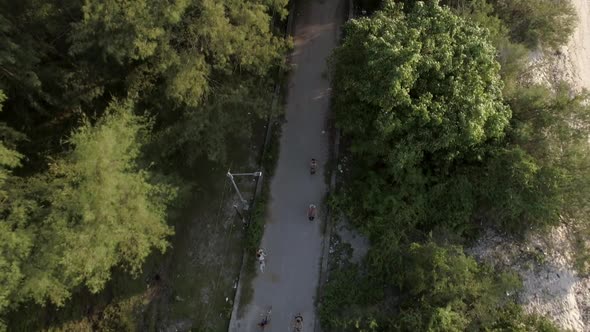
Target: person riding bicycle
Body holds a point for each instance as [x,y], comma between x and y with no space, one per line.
[264,322]
[298,322]
[313,163]
[299,319]
[311,212]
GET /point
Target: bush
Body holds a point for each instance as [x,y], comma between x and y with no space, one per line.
[546,23]
[344,300]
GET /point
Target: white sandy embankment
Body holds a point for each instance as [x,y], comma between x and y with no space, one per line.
[551,286]
[578,49]
[572,62]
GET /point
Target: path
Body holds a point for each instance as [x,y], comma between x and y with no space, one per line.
[292,243]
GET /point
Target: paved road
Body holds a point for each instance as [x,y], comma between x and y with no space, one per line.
[292,243]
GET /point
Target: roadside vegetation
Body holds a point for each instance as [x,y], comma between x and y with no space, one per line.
[447,137]
[107,110]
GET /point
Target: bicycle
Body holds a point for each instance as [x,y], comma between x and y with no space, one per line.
[266,320]
[298,323]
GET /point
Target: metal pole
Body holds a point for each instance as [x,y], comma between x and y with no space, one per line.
[231,177]
[251,174]
[240,214]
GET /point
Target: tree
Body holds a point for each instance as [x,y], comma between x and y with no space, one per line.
[546,23]
[15,242]
[423,83]
[103,209]
[125,31]
[93,210]
[511,55]
[63,60]
[418,92]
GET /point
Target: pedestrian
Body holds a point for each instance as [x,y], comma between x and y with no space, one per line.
[261,256]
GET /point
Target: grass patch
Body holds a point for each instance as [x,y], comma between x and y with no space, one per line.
[206,259]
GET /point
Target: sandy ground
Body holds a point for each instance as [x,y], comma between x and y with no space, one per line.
[578,50]
[551,286]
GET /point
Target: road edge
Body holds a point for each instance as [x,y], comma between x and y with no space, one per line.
[323,278]
[258,187]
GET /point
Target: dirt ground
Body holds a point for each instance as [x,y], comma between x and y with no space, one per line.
[205,262]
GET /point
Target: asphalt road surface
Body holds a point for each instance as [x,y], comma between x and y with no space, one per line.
[292,243]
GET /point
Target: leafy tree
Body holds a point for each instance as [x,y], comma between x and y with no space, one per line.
[103,211]
[511,55]
[531,22]
[419,94]
[445,319]
[124,31]
[63,60]
[97,208]
[511,317]
[424,84]
[15,243]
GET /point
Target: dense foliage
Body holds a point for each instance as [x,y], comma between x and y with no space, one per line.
[430,288]
[444,138]
[419,116]
[92,210]
[184,61]
[535,23]
[104,103]
[426,81]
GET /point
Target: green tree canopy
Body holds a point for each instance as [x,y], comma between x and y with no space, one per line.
[418,92]
[95,209]
[62,60]
[414,86]
[104,211]
[15,242]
